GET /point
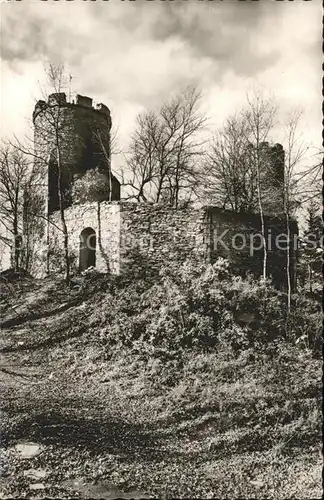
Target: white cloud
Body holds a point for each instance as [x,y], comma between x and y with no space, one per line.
[132,55]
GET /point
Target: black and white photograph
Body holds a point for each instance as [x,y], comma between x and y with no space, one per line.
[161,249]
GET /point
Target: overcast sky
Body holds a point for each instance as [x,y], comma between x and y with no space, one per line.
[132,55]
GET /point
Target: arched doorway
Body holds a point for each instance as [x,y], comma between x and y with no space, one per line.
[87,249]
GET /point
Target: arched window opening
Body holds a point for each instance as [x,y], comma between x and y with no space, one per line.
[87,249]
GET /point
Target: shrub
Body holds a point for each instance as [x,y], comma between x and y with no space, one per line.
[305,323]
[204,307]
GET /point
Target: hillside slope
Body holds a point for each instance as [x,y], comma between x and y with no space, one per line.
[112,423]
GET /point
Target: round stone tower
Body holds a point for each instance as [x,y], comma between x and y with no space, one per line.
[75,136]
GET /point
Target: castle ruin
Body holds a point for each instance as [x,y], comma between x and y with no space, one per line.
[115,236]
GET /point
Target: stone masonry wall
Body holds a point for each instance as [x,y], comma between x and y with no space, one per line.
[153,236]
[237,237]
[143,238]
[104,219]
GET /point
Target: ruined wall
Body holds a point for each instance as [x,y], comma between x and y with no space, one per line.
[104,219]
[237,237]
[143,238]
[130,236]
[153,236]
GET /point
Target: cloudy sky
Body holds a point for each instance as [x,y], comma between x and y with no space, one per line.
[131,55]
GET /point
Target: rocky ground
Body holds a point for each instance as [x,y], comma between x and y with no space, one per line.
[81,421]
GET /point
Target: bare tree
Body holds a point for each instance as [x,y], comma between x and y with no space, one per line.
[108,147]
[260,116]
[295,151]
[230,178]
[165,150]
[312,247]
[238,163]
[50,151]
[310,179]
[54,134]
[14,170]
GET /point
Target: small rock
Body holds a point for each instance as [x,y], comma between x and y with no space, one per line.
[257,483]
[35,473]
[37,486]
[28,450]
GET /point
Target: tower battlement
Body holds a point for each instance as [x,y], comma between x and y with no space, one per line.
[59,99]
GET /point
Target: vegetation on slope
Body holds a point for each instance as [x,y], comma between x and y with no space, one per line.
[169,389]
